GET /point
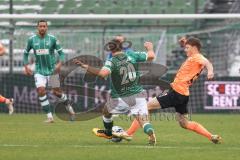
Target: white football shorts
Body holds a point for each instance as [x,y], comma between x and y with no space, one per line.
[132,105]
[51,81]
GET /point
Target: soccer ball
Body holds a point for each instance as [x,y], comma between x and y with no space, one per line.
[117,129]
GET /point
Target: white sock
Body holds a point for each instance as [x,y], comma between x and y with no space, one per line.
[49,115]
[107,120]
[64,97]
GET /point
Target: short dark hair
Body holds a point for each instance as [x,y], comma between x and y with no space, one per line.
[41,20]
[115,45]
[194,42]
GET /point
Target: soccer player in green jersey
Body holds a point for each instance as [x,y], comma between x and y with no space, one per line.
[47,67]
[126,92]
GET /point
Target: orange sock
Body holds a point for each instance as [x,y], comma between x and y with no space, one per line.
[133,128]
[198,128]
[2,99]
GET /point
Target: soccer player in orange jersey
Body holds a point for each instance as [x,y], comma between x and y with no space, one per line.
[178,95]
[8,102]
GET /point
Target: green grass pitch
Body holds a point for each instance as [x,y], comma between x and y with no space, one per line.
[27,137]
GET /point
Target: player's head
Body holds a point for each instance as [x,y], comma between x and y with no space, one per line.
[192,45]
[124,43]
[182,40]
[42,27]
[114,46]
[120,37]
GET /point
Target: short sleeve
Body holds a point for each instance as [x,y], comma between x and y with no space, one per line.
[26,51]
[199,59]
[139,56]
[108,65]
[59,49]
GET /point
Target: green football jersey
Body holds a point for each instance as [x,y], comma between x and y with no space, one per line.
[124,75]
[44,51]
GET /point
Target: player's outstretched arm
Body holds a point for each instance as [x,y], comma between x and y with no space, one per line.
[150,52]
[96,71]
[209,67]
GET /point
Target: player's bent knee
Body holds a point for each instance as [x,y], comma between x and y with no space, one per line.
[153,104]
[41,91]
[57,92]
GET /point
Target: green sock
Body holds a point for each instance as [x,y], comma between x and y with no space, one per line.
[47,108]
[45,104]
[148,128]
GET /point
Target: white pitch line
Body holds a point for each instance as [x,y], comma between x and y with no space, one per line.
[18,145]
[121,146]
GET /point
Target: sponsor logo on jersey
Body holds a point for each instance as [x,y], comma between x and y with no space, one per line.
[42,51]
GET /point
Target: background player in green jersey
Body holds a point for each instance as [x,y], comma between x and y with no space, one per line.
[47,67]
[126,92]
